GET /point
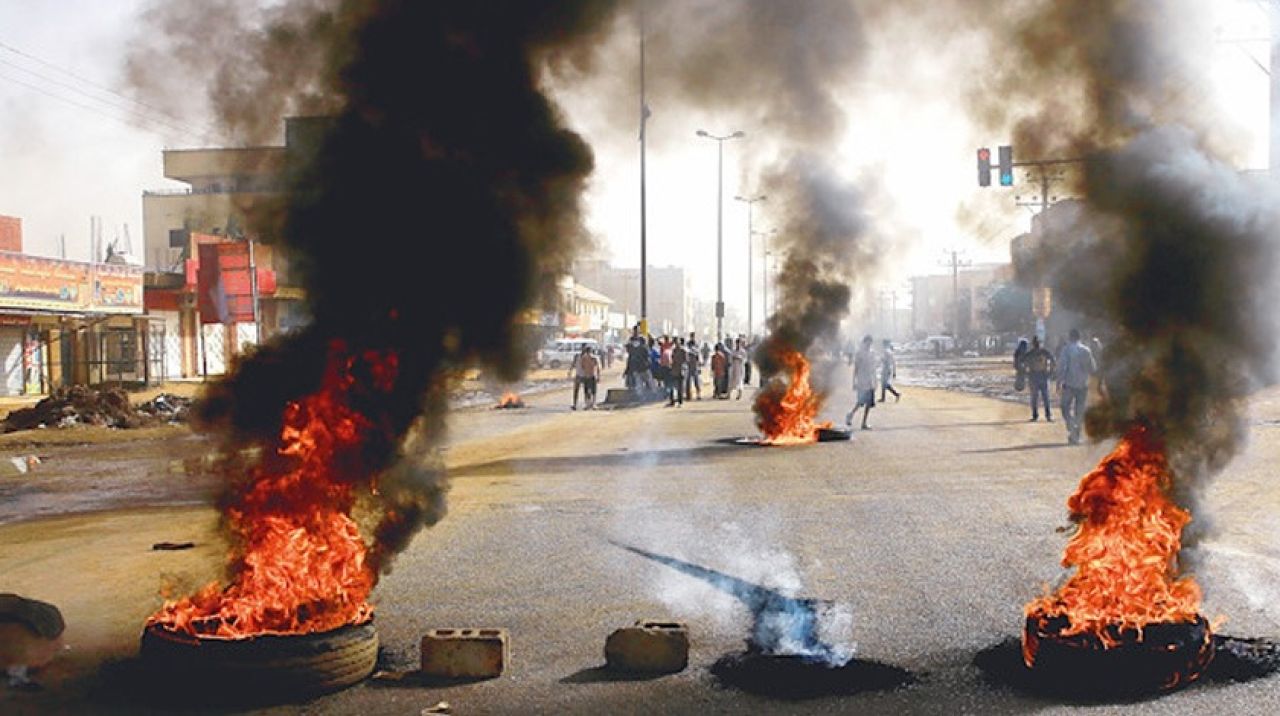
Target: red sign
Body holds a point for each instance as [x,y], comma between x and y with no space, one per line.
[224,290]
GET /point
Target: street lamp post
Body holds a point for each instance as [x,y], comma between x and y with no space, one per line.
[750,201]
[720,225]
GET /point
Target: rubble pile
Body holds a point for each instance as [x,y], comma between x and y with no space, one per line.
[167,407]
[110,407]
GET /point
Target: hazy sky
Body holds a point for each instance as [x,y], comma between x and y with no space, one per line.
[70,148]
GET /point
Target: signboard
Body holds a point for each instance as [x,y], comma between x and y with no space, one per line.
[224,289]
[41,284]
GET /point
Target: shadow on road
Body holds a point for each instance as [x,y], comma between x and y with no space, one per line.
[952,426]
[1017,448]
[637,458]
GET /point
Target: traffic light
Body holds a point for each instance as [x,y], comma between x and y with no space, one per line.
[984,167]
[1006,166]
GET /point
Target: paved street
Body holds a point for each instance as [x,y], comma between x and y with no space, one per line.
[935,528]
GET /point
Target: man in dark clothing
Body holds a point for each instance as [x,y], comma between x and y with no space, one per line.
[675,382]
[1038,364]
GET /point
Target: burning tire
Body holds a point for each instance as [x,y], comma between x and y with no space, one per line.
[1165,656]
[262,667]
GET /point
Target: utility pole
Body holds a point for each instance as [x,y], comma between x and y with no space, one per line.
[644,258]
[955,261]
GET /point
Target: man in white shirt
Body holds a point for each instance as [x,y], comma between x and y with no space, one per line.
[864,382]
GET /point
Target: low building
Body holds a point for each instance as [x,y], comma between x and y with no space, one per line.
[71,322]
[669,298]
[232,196]
[956,304]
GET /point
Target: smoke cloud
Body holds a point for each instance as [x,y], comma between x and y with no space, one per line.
[425,212]
[1170,253]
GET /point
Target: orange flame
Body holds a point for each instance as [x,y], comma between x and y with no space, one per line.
[510,399]
[785,410]
[1125,549]
[299,564]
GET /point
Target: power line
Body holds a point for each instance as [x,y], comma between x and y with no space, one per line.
[164,117]
[95,85]
[86,107]
[116,106]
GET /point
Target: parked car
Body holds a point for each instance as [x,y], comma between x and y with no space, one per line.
[560,353]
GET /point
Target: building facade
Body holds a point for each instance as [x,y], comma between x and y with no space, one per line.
[670,300]
[71,322]
[226,211]
[955,304]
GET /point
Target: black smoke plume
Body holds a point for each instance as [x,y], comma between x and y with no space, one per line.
[1170,253]
[423,214]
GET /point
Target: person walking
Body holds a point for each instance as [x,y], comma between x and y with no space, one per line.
[692,369]
[586,369]
[1038,364]
[1074,368]
[888,371]
[675,385]
[864,382]
[719,372]
[746,346]
[737,368]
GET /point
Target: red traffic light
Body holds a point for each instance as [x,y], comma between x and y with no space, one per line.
[984,154]
[984,167]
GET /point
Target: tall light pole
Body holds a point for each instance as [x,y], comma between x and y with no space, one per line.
[644,258]
[720,226]
[750,201]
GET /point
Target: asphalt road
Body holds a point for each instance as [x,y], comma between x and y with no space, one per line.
[934,528]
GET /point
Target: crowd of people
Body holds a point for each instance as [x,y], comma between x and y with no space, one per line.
[1035,367]
[673,367]
[668,367]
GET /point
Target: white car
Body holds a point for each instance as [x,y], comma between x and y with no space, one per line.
[561,353]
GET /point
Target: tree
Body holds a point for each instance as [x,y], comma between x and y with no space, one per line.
[1009,309]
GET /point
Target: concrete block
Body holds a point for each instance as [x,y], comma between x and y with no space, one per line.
[465,653]
[651,646]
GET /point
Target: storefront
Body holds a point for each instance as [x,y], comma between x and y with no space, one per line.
[69,322]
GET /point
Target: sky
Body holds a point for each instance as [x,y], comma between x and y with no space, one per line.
[73,145]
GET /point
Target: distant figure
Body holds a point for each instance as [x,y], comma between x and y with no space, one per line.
[720,371]
[746,346]
[1019,366]
[737,368]
[1074,368]
[888,371]
[586,370]
[1037,363]
[692,369]
[30,636]
[655,365]
[675,383]
[706,352]
[864,382]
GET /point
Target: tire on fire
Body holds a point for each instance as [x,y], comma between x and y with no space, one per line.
[263,667]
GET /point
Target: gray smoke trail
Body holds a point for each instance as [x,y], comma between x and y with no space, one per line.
[1171,252]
